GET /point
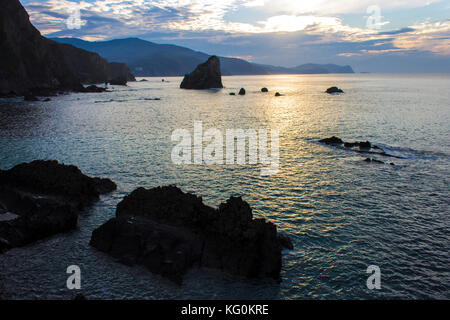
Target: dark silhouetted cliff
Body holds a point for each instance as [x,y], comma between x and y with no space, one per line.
[33,64]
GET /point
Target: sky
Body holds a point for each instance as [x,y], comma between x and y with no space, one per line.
[369,35]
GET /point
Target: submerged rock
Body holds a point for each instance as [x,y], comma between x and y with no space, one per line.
[360,144]
[242,92]
[206,76]
[377,161]
[278,94]
[334,90]
[42,198]
[92,88]
[232,94]
[170,231]
[364,147]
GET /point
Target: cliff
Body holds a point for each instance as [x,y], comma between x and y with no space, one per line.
[33,64]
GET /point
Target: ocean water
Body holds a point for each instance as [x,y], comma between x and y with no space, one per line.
[342,213]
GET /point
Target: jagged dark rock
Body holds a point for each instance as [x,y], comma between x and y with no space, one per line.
[42,198]
[92,88]
[206,76]
[334,90]
[333,140]
[242,92]
[264,90]
[169,231]
[364,147]
[361,144]
[33,64]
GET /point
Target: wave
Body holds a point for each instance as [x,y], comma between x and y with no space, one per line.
[127,100]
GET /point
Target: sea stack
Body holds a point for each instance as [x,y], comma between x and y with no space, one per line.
[206,76]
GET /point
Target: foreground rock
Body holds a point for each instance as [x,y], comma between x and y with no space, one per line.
[334,90]
[170,231]
[42,198]
[206,76]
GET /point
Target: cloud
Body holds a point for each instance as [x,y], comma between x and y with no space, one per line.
[285,32]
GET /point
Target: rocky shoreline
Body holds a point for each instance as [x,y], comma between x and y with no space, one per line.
[163,228]
[43,198]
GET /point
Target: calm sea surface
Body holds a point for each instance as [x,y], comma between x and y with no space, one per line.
[342,214]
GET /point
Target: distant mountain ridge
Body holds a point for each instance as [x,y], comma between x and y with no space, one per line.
[147,58]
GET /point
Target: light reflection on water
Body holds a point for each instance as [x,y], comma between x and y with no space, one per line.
[342,214]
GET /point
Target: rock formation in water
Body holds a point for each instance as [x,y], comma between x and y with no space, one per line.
[242,92]
[332,141]
[334,90]
[264,89]
[206,76]
[119,74]
[42,198]
[358,146]
[33,64]
[377,161]
[169,231]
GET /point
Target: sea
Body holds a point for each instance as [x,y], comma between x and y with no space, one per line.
[343,214]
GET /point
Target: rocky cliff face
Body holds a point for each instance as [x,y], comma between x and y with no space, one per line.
[206,76]
[33,64]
